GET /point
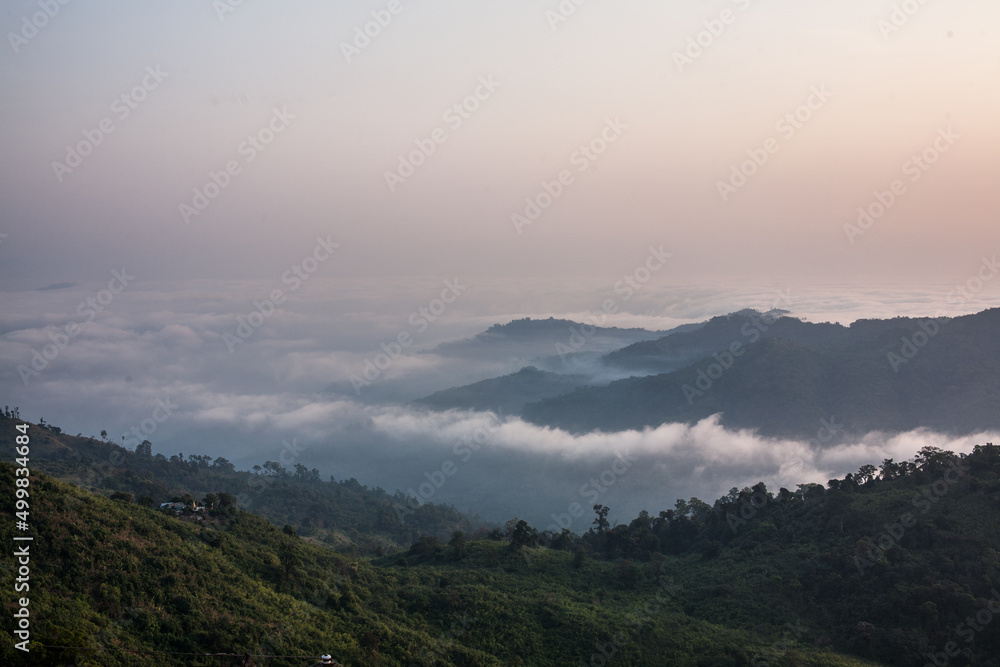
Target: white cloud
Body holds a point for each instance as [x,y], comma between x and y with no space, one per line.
[166,341]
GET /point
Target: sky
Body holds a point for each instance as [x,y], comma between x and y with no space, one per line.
[682,117]
[318,173]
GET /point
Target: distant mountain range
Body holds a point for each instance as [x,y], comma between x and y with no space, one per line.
[531,339]
[554,345]
[777,375]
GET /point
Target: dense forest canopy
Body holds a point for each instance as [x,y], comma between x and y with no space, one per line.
[894,564]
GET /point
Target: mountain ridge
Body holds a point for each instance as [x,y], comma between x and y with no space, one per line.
[894,377]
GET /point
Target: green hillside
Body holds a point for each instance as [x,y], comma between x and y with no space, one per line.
[344,514]
[129,580]
[887,566]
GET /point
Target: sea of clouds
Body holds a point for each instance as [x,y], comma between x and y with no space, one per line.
[157,361]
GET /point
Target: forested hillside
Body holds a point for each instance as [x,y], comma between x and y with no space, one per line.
[890,565]
[344,514]
[128,585]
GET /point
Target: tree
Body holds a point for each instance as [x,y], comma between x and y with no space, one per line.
[563,540]
[890,470]
[700,510]
[223,465]
[681,507]
[144,449]
[104,434]
[369,642]
[289,554]
[710,549]
[523,536]
[227,503]
[641,524]
[866,474]
[427,544]
[628,574]
[275,469]
[933,460]
[602,518]
[457,544]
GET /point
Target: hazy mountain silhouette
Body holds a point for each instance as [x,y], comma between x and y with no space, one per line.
[673,352]
[528,339]
[886,375]
[507,394]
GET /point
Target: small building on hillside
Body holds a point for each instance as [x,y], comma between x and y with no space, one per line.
[177,507]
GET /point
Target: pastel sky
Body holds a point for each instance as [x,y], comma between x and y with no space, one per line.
[890,86]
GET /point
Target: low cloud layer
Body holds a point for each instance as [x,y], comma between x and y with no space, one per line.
[154,363]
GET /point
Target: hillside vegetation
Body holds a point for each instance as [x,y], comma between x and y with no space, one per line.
[887,566]
[344,514]
[129,580]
